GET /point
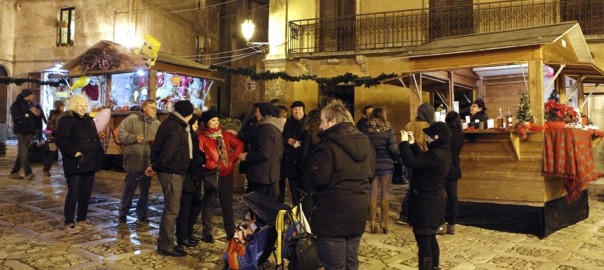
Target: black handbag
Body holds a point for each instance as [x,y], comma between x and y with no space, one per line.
[210,180]
[303,252]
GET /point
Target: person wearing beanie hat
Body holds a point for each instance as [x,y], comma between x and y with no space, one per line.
[292,134]
[207,116]
[264,156]
[24,115]
[478,112]
[171,155]
[222,151]
[267,109]
[184,108]
[426,199]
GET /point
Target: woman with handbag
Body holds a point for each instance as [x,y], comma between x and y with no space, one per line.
[222,150]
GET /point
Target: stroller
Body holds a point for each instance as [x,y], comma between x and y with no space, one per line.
[263,234]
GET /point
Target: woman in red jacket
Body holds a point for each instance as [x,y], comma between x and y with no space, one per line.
[222,150]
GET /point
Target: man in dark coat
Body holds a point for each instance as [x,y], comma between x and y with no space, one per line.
[342,166]
[24,115]
[264,158]
[292,135]
[478,111]
[171,154]
[426,199]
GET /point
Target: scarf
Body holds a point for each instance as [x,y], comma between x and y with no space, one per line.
[187,130]
[216,134]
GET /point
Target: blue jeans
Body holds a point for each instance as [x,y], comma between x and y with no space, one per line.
[339,253]
[171,185]
[131,182]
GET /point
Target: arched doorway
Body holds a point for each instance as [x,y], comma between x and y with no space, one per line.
[3,96]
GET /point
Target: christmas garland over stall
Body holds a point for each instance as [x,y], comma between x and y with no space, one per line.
[347,78]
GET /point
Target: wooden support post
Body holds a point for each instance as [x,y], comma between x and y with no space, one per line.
[415,97]
[536,93]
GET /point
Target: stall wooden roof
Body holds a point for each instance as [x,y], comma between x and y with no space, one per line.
[165,62]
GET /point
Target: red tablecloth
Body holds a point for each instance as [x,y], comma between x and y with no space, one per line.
[567,153]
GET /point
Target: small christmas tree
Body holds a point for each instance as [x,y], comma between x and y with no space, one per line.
[524,114]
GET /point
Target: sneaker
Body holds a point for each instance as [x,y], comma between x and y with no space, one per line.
[15,176]
[71,228]
[85,225]
[29,177]
[46,173]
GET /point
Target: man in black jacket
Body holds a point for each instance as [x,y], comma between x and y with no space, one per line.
[341,167]
[24,114]
[264,158]
[292,134]
[171,154]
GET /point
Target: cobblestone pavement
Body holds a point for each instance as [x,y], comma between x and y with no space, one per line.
[31,235]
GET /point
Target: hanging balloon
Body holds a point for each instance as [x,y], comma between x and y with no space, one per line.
[175,80]
[102,119]
[80,82]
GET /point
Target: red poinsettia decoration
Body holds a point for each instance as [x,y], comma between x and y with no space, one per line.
[555,111]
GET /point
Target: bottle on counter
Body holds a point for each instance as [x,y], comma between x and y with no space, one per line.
[509,118]
[500,122]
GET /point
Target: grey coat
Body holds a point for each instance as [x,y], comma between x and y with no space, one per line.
[136,155]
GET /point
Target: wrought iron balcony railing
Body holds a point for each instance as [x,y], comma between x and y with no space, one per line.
[384,31]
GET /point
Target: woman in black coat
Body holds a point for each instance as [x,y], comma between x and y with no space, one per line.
[453,120]
[426,189]
[82,154]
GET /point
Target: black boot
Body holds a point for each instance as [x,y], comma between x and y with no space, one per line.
[425,263]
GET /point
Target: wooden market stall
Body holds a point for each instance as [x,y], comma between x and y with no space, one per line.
[503,185]
[121,80]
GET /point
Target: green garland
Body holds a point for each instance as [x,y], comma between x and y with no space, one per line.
[347,78]
[20,81]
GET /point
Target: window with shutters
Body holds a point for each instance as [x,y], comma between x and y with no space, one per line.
[66,27]
[451,18]
[589,14]
[337,31]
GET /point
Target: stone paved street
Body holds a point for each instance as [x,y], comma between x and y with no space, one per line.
[31,234]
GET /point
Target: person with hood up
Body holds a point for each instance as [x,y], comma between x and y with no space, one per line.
[222,151]
[171,156]
[136,133]
[264,158]
[427,200]
[24,114]
[423,119]
[342,166]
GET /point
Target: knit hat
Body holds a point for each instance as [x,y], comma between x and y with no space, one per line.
[480,103]
[439,129]
[267,109]
[184,108]
[26,92]
[297,103]
[193,119]
[208,115]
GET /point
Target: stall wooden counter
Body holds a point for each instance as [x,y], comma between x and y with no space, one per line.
[503,186]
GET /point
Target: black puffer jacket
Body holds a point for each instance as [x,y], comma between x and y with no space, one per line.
[170,151]
[264,158]
[78,134]
[426,190]
[341,166]
[386,150]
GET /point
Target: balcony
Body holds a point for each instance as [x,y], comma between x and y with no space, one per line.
[397,31]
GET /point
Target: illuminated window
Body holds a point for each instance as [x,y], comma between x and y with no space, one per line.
[66,27]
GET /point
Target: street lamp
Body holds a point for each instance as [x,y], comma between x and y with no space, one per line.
[247,29]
